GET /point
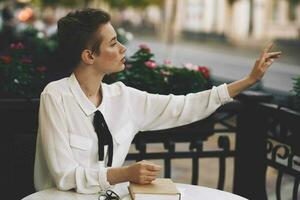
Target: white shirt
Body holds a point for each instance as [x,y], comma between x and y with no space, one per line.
[67,145]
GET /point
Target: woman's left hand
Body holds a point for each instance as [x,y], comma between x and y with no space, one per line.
[262,64]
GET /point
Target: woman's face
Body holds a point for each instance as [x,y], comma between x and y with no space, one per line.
[112,53]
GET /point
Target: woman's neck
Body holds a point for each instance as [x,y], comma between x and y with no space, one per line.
[90,83]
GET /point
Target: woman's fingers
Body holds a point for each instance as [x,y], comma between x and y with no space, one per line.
[274,54]
[268,48]
[152,167]
[152,173]
[271,57]
[145,172]
[146,179]
[267,58]
[268,63]
[265,51]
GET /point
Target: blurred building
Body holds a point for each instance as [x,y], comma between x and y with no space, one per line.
[239,19]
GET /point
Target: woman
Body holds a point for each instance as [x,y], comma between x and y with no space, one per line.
[77,110]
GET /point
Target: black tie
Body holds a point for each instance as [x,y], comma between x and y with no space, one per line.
[104,137]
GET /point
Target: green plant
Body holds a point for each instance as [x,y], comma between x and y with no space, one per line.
[133,3]
[143,72]
[26,66]
[42,49]
[63,3]
[20,76]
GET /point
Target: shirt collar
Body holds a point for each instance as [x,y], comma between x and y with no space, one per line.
[86,105]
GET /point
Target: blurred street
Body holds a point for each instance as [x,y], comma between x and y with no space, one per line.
[225,63]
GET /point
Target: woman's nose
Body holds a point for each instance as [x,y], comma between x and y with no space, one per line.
[123,48]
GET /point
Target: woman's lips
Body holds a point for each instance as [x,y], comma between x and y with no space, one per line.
[123,60]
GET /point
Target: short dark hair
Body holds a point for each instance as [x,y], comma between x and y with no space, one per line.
[77,31]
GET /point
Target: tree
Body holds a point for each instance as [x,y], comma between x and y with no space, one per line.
[65,3]
[294,2]
[133,3]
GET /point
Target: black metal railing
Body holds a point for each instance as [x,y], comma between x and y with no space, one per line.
[283,145]
[265,135]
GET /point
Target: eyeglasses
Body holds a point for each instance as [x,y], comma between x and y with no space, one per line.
[109,195]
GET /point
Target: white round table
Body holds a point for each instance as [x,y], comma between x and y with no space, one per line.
[188,192]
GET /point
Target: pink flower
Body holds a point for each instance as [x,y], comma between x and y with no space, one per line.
[18,45]
[41,68]
[6,59]
[165,73]
[145,48]
[190,66]
[168,62]
[26,60]
[204,70]
[151,64]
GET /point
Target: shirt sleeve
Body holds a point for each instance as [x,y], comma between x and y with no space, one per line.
[65,171]
[154,112]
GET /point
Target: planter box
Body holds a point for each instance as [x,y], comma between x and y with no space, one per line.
[19,118]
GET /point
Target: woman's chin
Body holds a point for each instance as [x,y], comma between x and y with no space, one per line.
[121,68]
[115,69]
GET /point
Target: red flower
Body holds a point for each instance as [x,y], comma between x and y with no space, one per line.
[204,70]
[26,60]
[151,64]
[145,48]
[41,68]
[18,45]
[6,59]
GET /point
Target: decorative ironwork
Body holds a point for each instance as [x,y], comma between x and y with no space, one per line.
[280,151]
[223,143]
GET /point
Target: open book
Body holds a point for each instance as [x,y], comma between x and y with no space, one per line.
[160,189]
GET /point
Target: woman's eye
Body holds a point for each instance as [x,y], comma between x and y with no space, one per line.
[113,44]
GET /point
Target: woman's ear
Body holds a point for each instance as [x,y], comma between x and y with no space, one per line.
[87,57]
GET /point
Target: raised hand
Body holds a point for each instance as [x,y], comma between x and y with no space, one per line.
[263,63]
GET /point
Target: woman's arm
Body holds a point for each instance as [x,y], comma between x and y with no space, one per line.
[261,65]
[154,112]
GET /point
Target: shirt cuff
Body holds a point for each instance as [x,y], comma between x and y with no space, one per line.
[223,94]
[104,184]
